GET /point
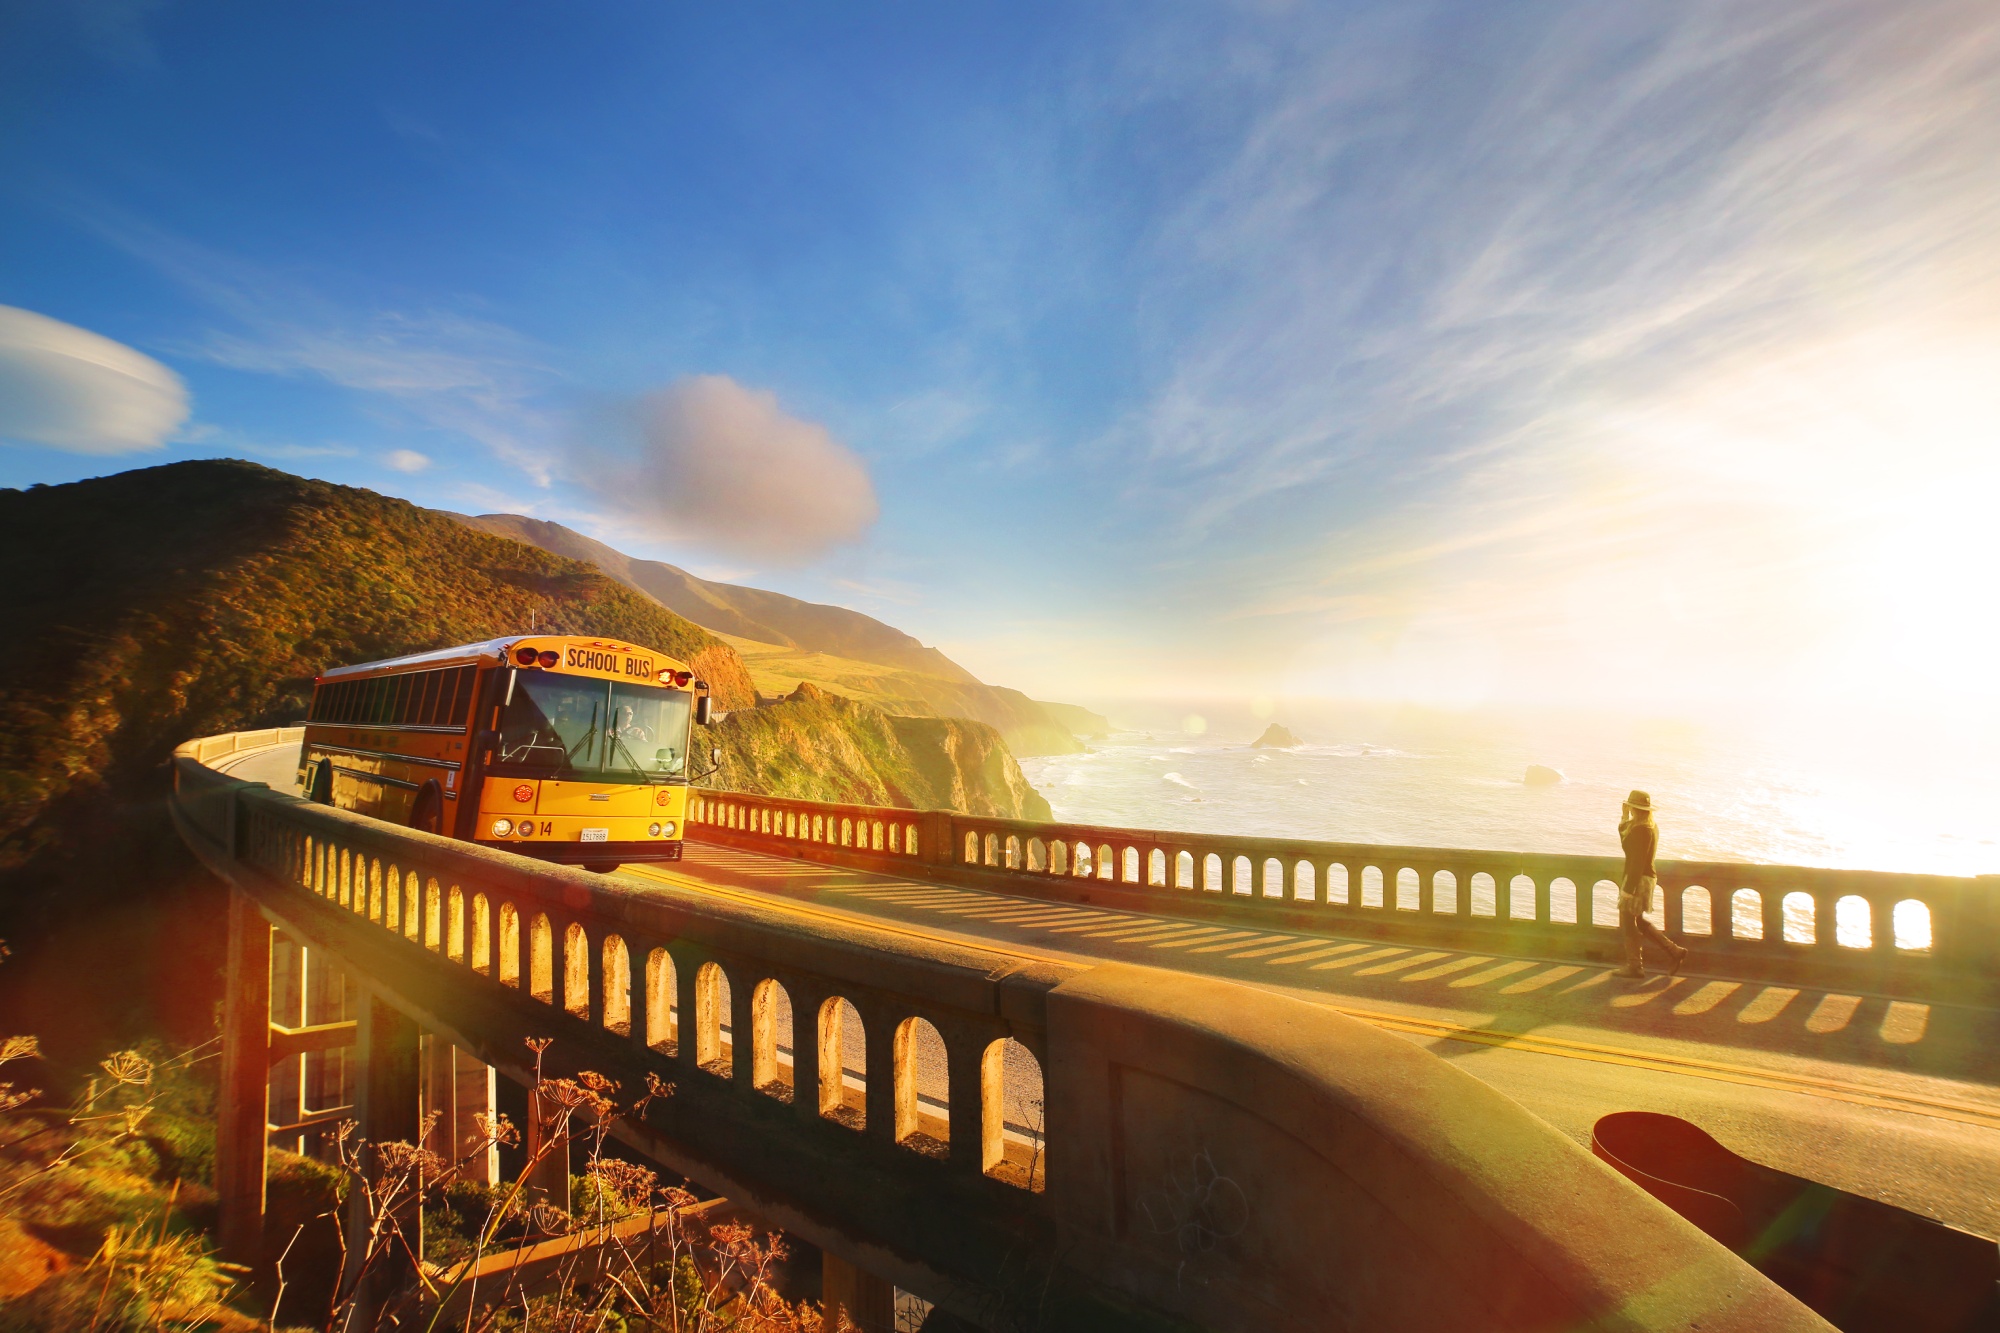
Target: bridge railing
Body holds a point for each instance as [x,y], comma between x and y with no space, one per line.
[1925,936]
[1203,1154]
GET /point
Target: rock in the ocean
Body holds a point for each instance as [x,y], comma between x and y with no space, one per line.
[1275,737]
[1540,775]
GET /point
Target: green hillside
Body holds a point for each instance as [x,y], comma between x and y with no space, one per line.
[1027,726]
[818,746]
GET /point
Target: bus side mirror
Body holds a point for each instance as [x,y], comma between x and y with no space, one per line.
[701,711]
[715,756]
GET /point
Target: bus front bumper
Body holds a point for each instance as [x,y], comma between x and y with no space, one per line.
[590,853]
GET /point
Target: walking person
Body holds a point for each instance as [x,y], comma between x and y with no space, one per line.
[1640,837]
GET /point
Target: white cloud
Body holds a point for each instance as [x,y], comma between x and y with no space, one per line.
[406,460]
[713,462]
[67,388]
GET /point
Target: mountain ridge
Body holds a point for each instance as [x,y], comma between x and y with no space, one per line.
[785,641]
[729,608]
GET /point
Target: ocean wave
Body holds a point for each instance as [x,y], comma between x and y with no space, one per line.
[1353,752]
[1177,780]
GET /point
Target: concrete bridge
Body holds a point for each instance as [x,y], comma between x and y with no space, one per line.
[926,1044]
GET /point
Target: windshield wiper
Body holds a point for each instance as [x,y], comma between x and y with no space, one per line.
[647,774]
[589,733]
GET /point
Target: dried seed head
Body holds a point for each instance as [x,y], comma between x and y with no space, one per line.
[496,1128]
[129,1067]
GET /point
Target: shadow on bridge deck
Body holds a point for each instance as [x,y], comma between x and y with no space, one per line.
[1894,1099]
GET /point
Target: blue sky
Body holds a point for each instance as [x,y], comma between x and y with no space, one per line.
[1644,354]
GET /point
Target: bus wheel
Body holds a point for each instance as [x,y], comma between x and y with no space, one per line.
[427,812]
[602,867]
[320,786]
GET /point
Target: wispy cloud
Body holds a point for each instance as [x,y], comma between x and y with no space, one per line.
[213,436]
[1411,250]
[1524,328]
[447,370]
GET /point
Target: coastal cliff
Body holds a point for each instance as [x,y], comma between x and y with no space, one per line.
[816,745]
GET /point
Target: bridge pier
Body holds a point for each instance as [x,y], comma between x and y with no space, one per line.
[869,1302]
[389,1047]
[458,1089]
[240,1128]
[548,1177]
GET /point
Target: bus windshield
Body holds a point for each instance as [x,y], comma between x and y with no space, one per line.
[595,728]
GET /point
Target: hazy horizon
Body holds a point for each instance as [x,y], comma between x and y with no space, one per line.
[1884,794]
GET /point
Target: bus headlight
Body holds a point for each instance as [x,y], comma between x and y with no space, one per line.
[502,827]
[652,830]
[667,829]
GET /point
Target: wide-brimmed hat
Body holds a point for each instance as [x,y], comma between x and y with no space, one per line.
[1638,800]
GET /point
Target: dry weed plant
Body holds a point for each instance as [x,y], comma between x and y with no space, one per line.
[675,1273]
[91,1171]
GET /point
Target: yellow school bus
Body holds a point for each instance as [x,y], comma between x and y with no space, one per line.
[564,748]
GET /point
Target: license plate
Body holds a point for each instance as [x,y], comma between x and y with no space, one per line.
[597,835]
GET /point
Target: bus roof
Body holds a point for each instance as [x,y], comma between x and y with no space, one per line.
[491,650]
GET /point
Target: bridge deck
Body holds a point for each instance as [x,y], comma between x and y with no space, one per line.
[1896,1100]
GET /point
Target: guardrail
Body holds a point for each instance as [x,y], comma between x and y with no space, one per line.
[1922,936]
[215,747]
[1208,1155]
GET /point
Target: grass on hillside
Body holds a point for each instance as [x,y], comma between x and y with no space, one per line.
[820,746]
[1027,726]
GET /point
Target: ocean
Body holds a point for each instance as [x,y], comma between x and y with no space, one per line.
[1884,794]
